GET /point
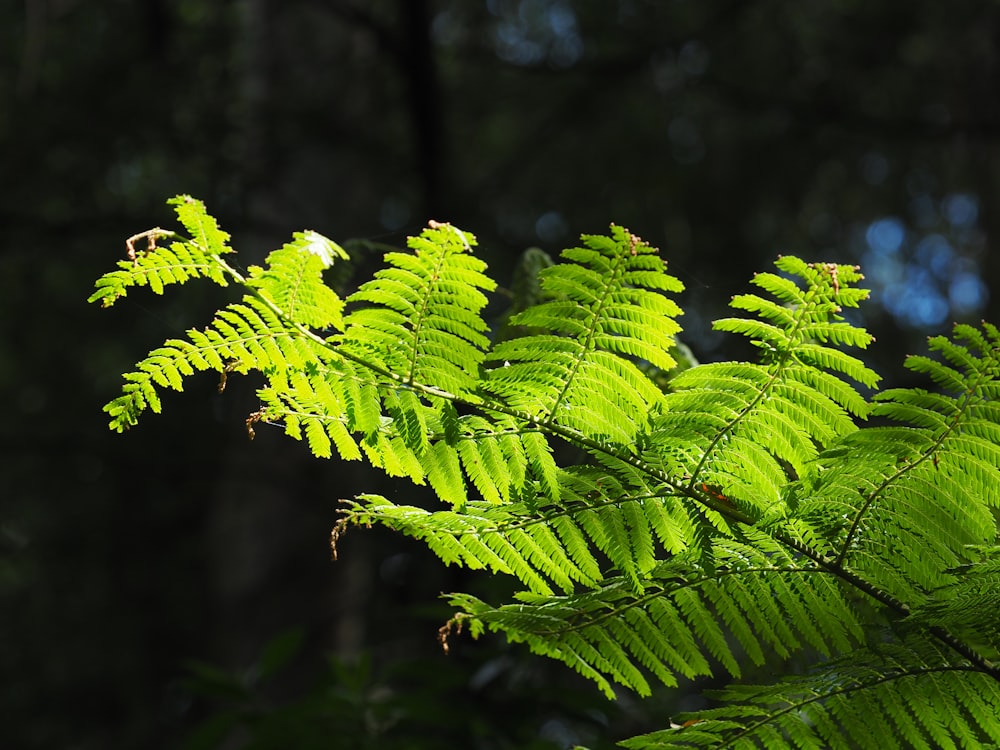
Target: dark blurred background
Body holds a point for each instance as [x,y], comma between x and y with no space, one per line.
[173,587]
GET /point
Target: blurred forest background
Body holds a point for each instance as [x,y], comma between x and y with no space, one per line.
[173,587]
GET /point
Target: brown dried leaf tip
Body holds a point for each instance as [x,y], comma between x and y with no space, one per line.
[151,235]
[252,419]
[335,534]
[454,625]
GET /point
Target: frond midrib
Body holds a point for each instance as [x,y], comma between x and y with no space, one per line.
[749,729]
[421,316]
[777,369]
[651,595]
[927,454]
[588,344]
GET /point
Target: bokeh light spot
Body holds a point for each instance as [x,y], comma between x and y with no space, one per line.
[961,210]
[885,236]
[967,293]
[937,254]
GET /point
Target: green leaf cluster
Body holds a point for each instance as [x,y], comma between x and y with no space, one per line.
[707,519]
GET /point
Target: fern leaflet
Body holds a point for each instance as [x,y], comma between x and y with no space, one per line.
[157,267]
[422,318]
[884,696]
[769,601]
[915,496]
[746,429]
[605,311]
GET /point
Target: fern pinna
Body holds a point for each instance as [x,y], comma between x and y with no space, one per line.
[731,514]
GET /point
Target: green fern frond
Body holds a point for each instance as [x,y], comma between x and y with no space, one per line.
[895,695]
[744,430]
[157,267]
[731,514]
[261,332]
[503,460]
[244,336]
[798,330]
[596,518]
[420,317]
[626,518]
[314,408]
[293,280]
[769,601]
[915,497]
[325,396]
[967,605]
[605,311]
[501,538]
[201,225]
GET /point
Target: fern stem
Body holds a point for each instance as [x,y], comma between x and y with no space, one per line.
[308,333]
[425,300]
[587,346]
[779,365]
[898,605]
[576,438]
[663,591]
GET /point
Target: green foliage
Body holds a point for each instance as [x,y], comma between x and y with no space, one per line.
[726,515]
[157,267]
